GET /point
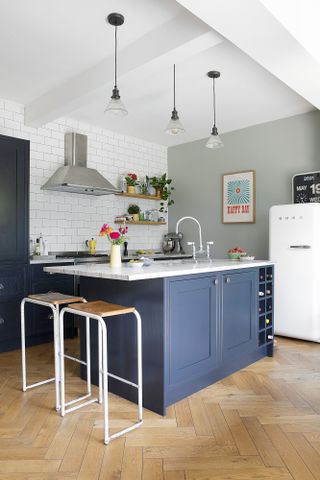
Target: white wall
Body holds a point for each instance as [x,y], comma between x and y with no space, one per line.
[66,220]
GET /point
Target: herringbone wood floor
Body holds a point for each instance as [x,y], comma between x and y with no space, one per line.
[260,423]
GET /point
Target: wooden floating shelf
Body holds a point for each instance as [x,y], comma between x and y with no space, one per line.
[139,195]
[142,222]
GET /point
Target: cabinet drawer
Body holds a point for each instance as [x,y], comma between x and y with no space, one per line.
[12,283]
[9,321]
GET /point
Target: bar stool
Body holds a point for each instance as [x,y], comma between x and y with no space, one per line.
[98,310]
[52,300]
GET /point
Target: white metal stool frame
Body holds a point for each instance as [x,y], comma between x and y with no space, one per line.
[56,336]
[103,371]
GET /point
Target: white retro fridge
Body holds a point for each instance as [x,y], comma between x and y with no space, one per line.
[294,246]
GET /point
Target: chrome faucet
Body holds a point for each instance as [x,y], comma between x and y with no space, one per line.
[201,250]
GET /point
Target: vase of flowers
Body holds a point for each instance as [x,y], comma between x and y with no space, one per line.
[132,181]
[116,238]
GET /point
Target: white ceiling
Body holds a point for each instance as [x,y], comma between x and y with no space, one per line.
[46,42]
[301,19]
[57,58]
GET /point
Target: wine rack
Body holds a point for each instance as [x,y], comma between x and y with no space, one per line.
[265,306]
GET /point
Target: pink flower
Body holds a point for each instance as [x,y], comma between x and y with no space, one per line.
[123,230]
[114,235]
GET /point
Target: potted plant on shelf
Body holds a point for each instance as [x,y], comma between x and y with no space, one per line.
[134,210]
[144,186]
[164,190]
[132,181]
[116,238]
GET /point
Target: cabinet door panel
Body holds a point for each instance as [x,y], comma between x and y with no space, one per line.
[239,313]
[9,321]
[193,328]
[12,283]
[14,188]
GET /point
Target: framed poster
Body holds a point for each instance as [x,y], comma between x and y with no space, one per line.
[239,197]
[306,187]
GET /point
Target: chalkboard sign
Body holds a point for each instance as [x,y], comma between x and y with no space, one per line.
[306,188]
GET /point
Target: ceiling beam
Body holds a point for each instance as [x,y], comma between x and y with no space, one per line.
[179,38]
[251,27]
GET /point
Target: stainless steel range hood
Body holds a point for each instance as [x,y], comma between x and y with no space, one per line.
[75,176]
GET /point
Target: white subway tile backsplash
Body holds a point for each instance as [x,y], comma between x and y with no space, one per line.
[67,220]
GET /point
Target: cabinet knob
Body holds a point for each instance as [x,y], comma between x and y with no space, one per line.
[228,280]
[50,316]
[1,321]
[1,286]
[215,281]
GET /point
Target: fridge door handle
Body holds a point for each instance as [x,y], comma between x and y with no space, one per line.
[305,247]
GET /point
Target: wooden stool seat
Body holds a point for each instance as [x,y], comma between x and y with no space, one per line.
[103,309]
[55,298]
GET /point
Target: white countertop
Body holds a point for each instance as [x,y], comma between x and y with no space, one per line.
[156,270]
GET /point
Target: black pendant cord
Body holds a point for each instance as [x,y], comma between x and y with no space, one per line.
[214,74]
[115,56]
[214,102]
[174,86]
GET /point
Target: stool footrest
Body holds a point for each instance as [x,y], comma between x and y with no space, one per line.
[33,385]
[76,407]
[76,400]
[120,379]
[122,432]
[74,359]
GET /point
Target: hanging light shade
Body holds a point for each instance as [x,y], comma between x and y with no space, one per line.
[214,140]
[174,126]
[115,105]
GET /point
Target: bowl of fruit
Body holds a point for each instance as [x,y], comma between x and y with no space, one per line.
[236,253]
[135,263]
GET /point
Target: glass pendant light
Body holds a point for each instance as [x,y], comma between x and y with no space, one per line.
[115,105]
[174,126]
[214,140]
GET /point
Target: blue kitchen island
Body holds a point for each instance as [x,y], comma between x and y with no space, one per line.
[200,323]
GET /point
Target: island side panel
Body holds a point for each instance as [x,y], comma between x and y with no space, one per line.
[147,297]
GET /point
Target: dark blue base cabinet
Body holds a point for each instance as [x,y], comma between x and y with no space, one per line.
[16,282]
[197,329]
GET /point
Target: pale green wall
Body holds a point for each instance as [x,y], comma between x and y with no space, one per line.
[276,150]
